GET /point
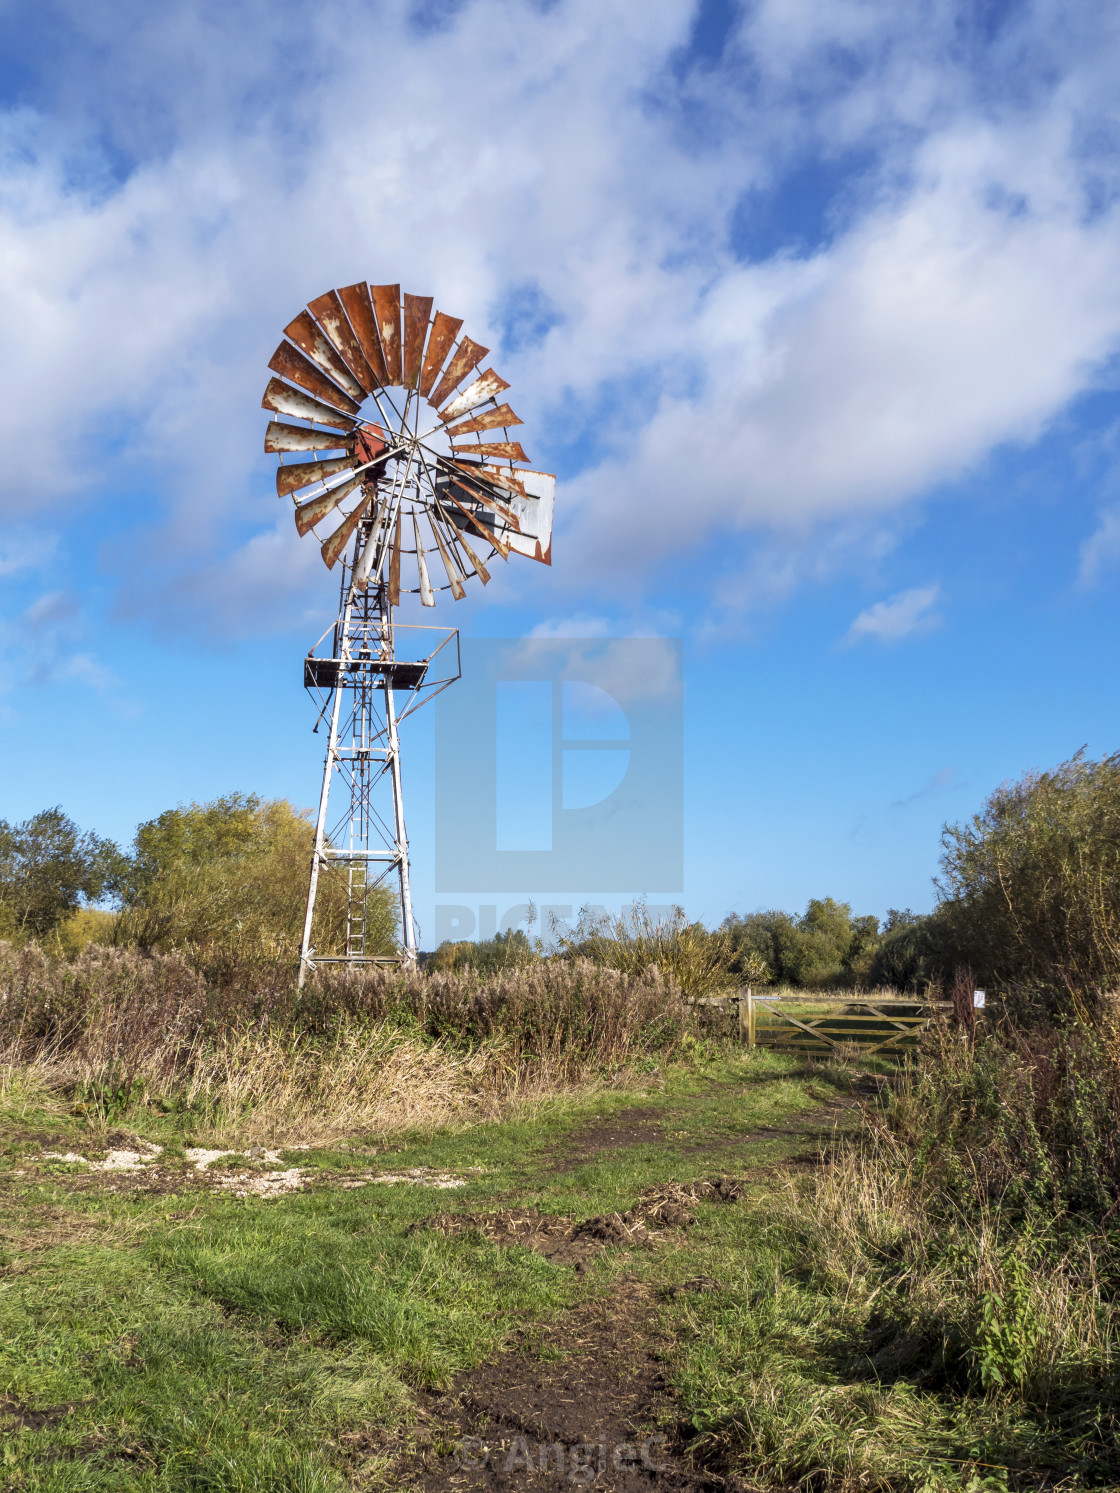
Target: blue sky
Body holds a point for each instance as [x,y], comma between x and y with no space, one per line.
[812,305]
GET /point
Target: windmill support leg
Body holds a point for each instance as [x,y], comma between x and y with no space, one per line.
[306,951]
[408,932]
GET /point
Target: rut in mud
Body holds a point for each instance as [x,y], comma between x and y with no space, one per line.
[585,1401]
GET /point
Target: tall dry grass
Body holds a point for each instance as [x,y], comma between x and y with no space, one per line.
[694,958]
[118,1032]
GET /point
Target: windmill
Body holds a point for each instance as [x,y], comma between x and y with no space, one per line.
[397,455]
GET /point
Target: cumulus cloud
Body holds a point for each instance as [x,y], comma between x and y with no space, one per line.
[566,178]
[899,617]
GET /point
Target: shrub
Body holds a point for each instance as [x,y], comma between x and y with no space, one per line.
[510,950]
[225,885]
[686,954]
[1031,888]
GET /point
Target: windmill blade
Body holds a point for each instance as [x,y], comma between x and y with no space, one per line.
[427,596]
[291,363]
[444,331]
[533,507]
[387,314]
[286,401]
[328,312]
[502,417]
[454,579]
[279,437]
[483,488]
[341,536]
[512,450]
[303,473]
[469,355]
[369,553]
[485,387]
[417,311]
[479,569]
[395,567]
[308,337]
[358,307]
[491,536]
[513,479]
[315,509]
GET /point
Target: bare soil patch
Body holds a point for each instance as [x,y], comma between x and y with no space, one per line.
[633,1127]
[568,1241]
[583,1404]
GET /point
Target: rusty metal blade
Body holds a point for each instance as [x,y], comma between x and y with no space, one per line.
[291,363]
[427,597]
[395,567]
[341,536]
[308,514]
[280,437]
[308,337]
[489,535]
[303,473]
[533,506]
[479,569]
[502,417]
[454,579]
[417,310]
[286,401]
[512,450]
[444,331]
[508,477]
[484,387]
[469,355]
[358,307]
[486,491]
[387,314]
[369,549]
[328,312]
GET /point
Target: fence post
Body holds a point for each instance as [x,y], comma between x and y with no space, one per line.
[746,1016]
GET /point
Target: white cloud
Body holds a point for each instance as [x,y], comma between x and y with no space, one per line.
[900,617]
[971,289]
[1101,551]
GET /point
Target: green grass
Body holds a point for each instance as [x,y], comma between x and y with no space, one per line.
[190,1340]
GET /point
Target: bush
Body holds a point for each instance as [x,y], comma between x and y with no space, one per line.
[1031,889]
[224,884]
[1022,1120]
[635,941]
[511,950]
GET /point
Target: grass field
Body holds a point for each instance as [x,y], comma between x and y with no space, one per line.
[159,1332]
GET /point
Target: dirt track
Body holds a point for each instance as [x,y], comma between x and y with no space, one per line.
[585,1402]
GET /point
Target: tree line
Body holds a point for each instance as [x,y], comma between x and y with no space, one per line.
[223,883]
[1027,900]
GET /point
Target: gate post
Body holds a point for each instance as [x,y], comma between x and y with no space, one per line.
[746,1016]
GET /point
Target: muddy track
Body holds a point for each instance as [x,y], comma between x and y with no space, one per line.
[583,1402]
[637,1127]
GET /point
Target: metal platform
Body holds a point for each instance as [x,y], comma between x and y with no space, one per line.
[322,673]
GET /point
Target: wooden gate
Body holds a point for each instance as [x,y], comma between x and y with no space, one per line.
[822,1023]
